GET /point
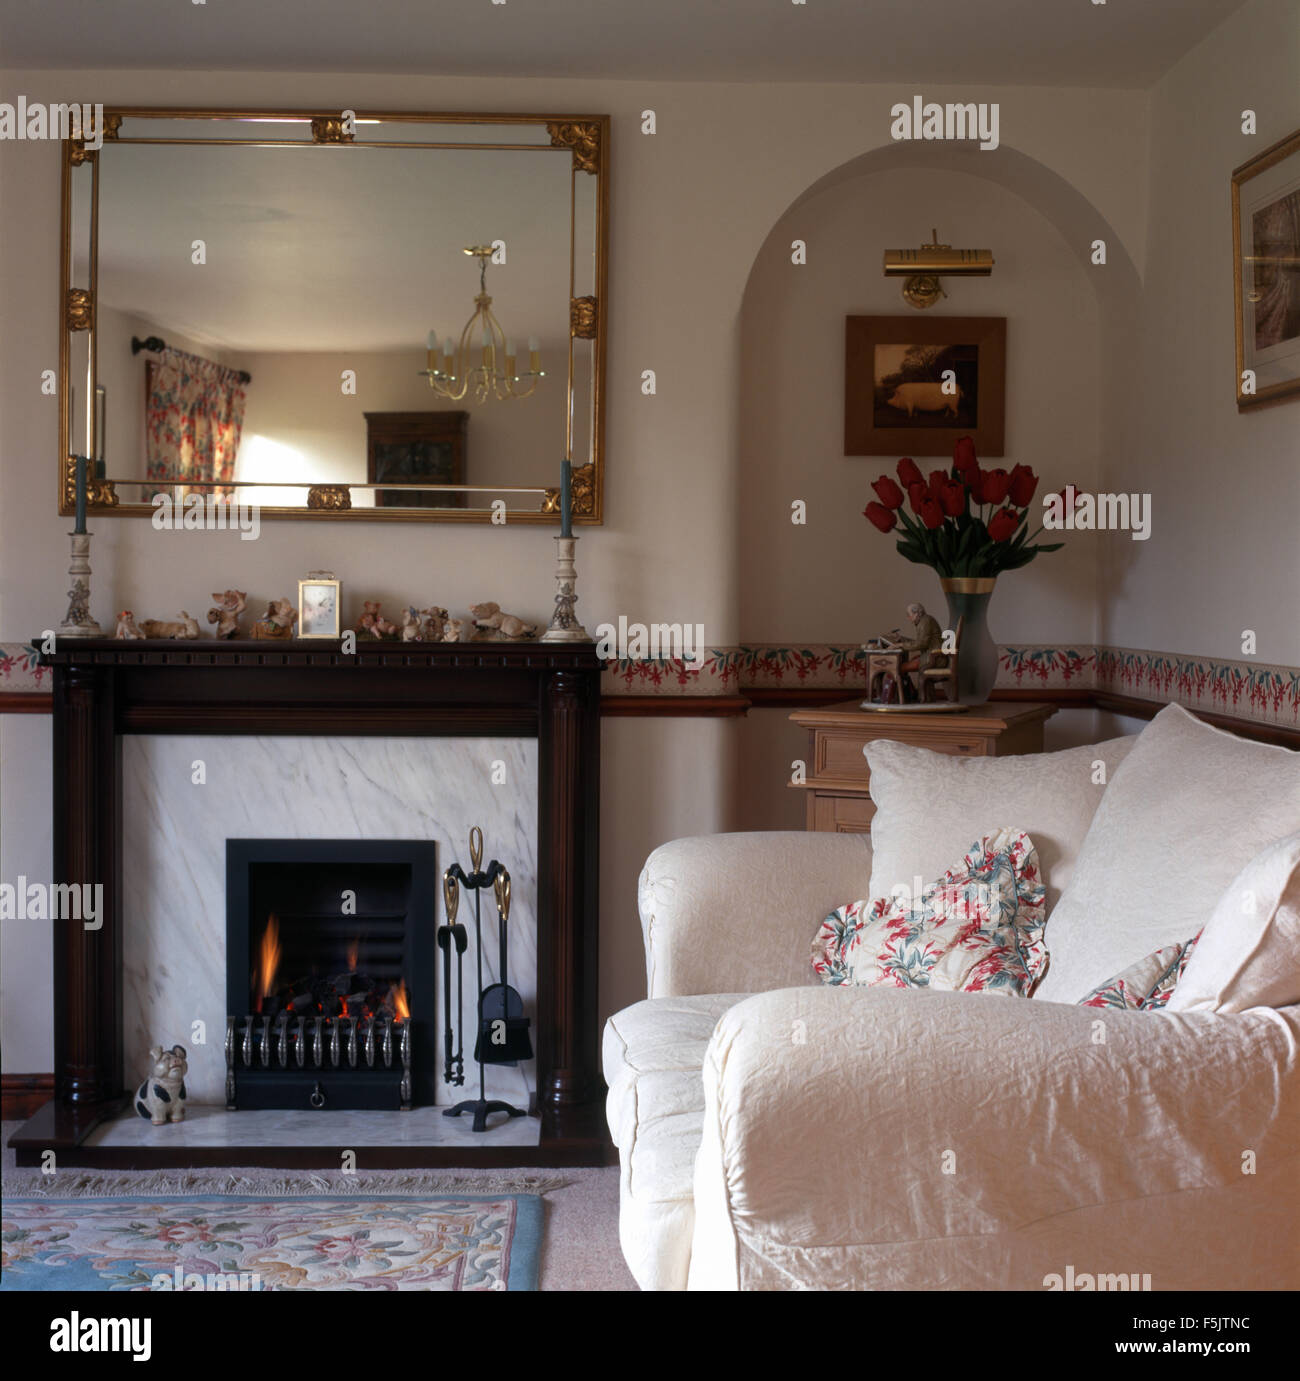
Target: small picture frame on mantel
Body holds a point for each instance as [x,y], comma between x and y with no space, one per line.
[318,605]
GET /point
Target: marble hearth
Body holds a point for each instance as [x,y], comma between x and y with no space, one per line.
[212,1129]
[174,882]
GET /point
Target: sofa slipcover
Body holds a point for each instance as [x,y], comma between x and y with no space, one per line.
[928,1141]
[653,1054]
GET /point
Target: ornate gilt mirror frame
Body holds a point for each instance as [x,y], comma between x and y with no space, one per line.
[584,138]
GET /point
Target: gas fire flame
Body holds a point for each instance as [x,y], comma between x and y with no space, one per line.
[269,960]
[353,946]
[400,1004]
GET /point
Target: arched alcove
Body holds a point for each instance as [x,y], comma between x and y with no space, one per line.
[835,579]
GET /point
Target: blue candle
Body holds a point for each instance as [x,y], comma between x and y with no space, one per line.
[81,495]
[566,499]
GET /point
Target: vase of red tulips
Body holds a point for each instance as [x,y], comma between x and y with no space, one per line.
[969,525]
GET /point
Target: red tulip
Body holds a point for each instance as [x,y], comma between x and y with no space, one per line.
[909,472]
[994,486]
[917,493]
[1023,484]
[963,454]
[888,492]
[882,517]
[952,498]
[930,513]
[1003,524]
[1069,497]
[937,477]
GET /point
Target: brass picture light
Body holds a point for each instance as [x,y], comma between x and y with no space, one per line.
[924,267]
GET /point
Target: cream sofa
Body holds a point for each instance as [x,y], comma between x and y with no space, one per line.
[774,1133]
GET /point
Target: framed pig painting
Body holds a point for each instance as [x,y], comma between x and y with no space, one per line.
[913,386]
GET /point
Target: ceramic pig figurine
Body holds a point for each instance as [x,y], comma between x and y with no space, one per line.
[161,1098]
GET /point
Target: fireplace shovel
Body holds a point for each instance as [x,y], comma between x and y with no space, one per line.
[503,1037]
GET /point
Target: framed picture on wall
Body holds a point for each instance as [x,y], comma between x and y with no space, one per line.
[407,447]
[1266,274]
[914,385]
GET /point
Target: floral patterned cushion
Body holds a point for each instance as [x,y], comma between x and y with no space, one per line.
[1147,985]
[979,928]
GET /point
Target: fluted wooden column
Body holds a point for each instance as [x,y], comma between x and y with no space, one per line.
[87,963]
[567,887]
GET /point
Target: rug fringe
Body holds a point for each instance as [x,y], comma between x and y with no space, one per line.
[65,1185]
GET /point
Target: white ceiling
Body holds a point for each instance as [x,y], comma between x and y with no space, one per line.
[319,249]
[1019,42]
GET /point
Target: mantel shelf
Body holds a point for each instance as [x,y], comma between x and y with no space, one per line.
[317,652]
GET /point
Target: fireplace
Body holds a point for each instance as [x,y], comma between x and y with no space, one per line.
[330,991]
[107,691]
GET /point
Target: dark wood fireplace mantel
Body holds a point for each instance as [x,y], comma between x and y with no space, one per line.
[105,688]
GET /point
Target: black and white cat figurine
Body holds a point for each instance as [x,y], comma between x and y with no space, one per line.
[161,1098]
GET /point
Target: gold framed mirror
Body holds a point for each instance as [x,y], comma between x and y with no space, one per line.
[340,315]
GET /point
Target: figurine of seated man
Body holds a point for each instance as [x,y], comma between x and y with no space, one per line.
[924,650]
[926,647]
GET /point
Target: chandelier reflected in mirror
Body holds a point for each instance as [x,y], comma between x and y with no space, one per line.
[483,364]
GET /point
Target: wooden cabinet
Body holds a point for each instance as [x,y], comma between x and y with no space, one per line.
[838,784]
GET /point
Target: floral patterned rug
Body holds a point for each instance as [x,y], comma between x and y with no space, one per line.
[283,1242]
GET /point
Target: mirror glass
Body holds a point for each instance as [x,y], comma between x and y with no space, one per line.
[264,306]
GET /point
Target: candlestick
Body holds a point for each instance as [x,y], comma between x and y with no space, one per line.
[79,526]
[77,622]
[566,499]
[565,627]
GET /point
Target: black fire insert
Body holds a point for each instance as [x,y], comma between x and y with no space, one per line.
[330,990]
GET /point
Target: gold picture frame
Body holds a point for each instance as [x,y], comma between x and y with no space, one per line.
[1266,238]
[319,600]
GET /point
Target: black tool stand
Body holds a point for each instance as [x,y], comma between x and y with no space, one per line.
[482,1106]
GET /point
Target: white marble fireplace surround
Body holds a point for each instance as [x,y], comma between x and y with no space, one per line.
[174,865]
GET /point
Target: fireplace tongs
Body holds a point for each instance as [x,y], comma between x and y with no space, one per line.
[453,1062]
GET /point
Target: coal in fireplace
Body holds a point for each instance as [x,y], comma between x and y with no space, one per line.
[330,991]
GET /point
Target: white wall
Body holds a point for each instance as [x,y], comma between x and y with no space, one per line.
[1224,555]
[691,208]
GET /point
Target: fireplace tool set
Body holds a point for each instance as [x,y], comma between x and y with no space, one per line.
[502,1029]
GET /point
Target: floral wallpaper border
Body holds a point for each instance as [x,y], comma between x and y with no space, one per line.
[1261,693]
[20,672]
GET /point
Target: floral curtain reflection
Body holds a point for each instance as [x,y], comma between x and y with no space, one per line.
[194,416]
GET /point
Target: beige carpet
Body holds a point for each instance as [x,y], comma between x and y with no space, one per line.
[579,1243]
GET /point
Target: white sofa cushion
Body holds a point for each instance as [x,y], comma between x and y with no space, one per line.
[1187,809]
[929,806]
[1249,954]
[653,1054]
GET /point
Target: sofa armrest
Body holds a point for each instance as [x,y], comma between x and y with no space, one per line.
[874,1138]
[737,913]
